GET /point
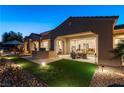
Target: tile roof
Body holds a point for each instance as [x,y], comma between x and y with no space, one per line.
[74,24]
[34,36]
[45,35]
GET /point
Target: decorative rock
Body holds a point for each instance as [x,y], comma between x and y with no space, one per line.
[109,76]
[11,75]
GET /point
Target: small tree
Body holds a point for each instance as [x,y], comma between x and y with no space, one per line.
[9,36]
[5,37]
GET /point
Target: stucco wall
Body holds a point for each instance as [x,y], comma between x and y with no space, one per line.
[103,28]
[105,43]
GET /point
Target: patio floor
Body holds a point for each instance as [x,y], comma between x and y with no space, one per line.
[89,59]
[39,61]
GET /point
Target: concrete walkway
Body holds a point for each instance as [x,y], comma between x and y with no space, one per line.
[108,76]
[39,61]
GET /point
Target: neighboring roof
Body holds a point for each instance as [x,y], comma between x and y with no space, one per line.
[78,24]
[26,37]
[45,35]
[13,42]
[119,27]
[34,36]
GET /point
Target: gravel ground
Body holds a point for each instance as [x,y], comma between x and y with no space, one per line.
[108,76]
[12,75]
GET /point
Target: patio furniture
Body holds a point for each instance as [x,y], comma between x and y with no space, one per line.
[73,55]
[59,52]
[84,55]
[78,55]
[90,51]
[42,49]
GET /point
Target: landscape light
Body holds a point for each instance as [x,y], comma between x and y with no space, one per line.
[43,64]
[102,68]
[18,65]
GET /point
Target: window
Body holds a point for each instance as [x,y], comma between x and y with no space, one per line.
[45,45]
[73,45]
[117,41]
[60,48]
[83,44]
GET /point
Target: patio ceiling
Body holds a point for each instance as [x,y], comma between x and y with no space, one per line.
[88,33]
[118,32]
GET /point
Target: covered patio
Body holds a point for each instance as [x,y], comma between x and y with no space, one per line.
[84,46]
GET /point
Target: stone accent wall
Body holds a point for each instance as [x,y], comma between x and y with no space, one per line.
[43,54]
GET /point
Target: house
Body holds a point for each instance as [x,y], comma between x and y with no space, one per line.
[31,43]
[94,35]
[118,34]
[45,40]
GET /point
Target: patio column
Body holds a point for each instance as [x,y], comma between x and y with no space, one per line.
[96,59]
[29,45]
[25,47]
[39,44]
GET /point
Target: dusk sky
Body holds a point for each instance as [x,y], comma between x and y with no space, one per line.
[37,19]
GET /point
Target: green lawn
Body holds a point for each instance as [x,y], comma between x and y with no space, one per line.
[62,73]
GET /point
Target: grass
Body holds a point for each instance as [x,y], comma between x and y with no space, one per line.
[62,73]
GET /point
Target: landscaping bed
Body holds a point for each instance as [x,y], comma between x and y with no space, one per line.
[12,75]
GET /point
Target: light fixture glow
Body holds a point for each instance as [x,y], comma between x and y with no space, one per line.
[18,65]
[43,64]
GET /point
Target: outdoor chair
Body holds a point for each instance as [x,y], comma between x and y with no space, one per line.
[73,55]
[84,56]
